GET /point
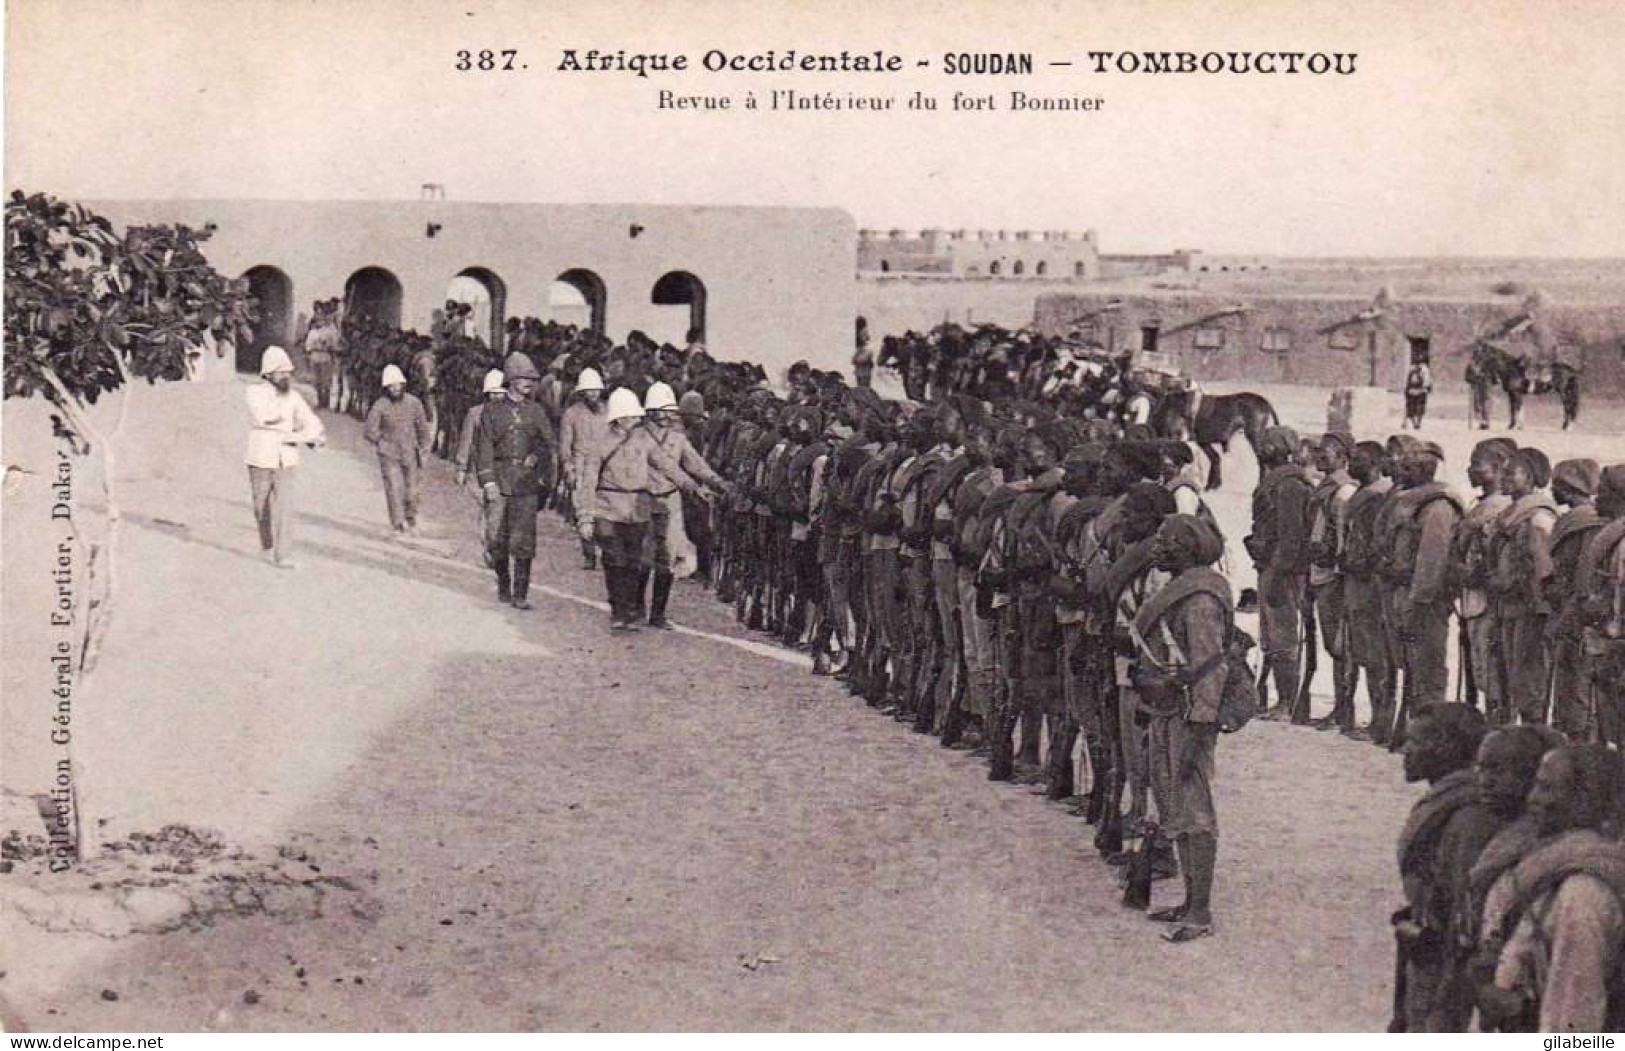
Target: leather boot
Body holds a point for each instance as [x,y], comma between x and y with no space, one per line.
[1031,722]
[1100,774]
[504,588]
[521,583]
[1381,688]
[1343,673]
[1001,747]
[1286,672]
[925,706]
[953,720]
[638,585]
[1060,760]
[614,589]
[658,600]
[879,681]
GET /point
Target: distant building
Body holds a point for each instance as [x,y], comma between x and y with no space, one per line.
[1339,339]
[1003,255]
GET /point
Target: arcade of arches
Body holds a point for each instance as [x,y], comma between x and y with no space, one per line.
[576,296]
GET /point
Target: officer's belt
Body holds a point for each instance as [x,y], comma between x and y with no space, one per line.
[616,489]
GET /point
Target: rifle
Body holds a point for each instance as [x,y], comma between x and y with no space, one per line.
[1311,658]
[1466,686]
[1548,708]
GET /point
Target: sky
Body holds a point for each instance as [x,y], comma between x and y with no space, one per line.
[1487,128]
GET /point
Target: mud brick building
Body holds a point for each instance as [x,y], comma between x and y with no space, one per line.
[770,284]
[1339,339]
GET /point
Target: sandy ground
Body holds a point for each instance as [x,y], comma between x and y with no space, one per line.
[520,821]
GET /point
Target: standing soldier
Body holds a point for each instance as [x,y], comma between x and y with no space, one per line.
[398,426]
[617,479]
[665,501]
[323,346]
[580,429]
[697,513]
[1329,512]
[975,625]
[1523,537]
[279,422]
[1180,633]
[1440,750]
[1362,590]
[918,586]
[1562,938]
[1600,582]
[495,388]
[1031,526]
[1418,385]
[1471,570]
[1574,486]
[1423,518]
[515,461]
[937,510]
[880,569]
[1279,545]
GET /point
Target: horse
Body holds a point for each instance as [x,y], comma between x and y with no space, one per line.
[1518,377]
[1217,419]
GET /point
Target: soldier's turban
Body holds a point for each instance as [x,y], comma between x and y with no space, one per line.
[1402,445]
[1344,442]
[1143,459]
[1196,542]
[1612,483]
[1148,499]
[1500,448]
[1580,475]
[1279,442]
[1536,463]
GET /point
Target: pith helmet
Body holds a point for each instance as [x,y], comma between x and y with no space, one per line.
[623,404]
[275,359]
[519,367]
[589,380]
[393,376]
[659,397]
[495,381]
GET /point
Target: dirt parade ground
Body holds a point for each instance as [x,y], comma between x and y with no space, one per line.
[364,794]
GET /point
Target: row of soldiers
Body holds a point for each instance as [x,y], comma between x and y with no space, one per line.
[1034,587]
[1513,876]
[1052,592]
[1363,546]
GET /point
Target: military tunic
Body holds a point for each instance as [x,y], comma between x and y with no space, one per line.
[516,454]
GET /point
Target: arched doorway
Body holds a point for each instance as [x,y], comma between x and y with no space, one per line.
[273,291]
[679,288]
[578,297]
[373,292]
[487,296]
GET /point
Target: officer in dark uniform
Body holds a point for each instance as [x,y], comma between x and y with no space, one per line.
[516,456]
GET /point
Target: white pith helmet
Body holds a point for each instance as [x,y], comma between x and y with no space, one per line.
[623,404]
[589,380]
[660,396]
